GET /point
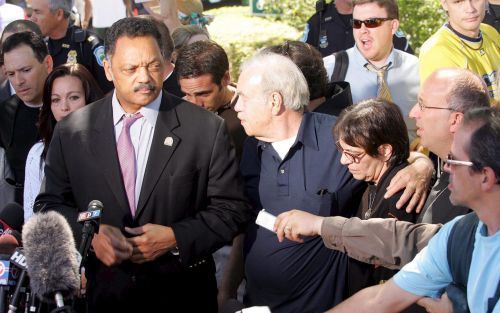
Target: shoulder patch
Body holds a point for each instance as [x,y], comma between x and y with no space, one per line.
[399,33]
[99,55]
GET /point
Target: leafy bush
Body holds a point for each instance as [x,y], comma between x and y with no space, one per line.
[242,34]
[293,12]
[420,19]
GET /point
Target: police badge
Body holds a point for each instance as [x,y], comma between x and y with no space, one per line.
[72,57]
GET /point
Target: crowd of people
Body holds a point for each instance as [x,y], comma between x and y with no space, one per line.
[381,168]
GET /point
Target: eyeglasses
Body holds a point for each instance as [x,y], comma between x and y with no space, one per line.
[451,161]
[423,107]
[370,23]
[352,157]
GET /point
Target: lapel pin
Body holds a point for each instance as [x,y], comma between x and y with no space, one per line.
[169,141]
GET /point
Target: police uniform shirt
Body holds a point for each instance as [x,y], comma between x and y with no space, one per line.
[83,47]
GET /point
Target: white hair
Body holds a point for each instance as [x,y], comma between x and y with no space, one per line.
[280,74]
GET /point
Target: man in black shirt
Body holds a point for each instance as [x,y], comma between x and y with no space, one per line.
[68,43]
[330,30]
[27,65]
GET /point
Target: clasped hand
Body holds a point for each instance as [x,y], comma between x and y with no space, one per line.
[148,243]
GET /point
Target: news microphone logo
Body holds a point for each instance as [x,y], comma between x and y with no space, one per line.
[89,215]
[8,273]
[19,259]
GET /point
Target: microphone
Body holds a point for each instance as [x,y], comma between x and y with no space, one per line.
[8,277]
[11,217]
[91,220]
[11,221]
[19,260]
[51,257]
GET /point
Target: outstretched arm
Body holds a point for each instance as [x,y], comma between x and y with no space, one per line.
[387,242]
[386,298]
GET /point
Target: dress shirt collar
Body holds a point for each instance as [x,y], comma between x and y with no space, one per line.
[362,61]
[12,90]
[150,111]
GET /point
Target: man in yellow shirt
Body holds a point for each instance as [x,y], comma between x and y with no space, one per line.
[463,42]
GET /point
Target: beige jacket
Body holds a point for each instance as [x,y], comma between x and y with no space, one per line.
[387,242]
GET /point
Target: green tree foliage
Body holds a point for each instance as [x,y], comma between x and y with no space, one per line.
[419,18]
[293,12]
[242,34]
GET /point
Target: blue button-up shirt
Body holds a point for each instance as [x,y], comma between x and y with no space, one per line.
[288,276]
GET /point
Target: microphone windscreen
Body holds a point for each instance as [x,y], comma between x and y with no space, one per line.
[95,205]
[12,216]
[8,243]
[51,255]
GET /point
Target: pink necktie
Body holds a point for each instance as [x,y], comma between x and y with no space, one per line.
[126,155]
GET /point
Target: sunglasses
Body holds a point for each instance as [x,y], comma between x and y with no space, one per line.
[370,23]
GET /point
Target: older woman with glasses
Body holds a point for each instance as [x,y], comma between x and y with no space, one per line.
[373,139]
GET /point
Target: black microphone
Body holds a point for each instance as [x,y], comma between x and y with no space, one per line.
[51,257]
[11,221]
[11,217]
[91,220]
[19,260]
[8,277]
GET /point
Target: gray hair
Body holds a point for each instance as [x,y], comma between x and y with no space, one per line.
[280,74]
[65,5]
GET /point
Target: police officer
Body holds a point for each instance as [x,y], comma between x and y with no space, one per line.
[330,29]
[68,43]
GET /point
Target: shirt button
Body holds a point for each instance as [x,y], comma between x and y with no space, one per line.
[282,171]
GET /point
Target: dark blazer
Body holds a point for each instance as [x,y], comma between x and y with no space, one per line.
[192,186]
[171,84]
[8,110]
[4,90]
[17,145]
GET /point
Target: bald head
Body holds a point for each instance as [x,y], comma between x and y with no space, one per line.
[462,89]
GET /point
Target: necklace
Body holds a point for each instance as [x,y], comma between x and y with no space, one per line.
[480,48]
[371,199]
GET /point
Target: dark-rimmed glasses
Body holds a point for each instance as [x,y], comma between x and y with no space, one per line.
[370,23]
[352,157]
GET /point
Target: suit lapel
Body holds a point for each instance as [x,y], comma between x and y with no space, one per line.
[103,144]
[11,108]
[162,147]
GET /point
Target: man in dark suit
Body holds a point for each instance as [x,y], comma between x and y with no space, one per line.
[166,211]
[27,65]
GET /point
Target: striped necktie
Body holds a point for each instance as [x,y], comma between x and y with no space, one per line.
[126,156]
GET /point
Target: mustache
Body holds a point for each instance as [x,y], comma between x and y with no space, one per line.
[149,87]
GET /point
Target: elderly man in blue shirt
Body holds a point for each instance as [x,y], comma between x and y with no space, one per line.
[290,161]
